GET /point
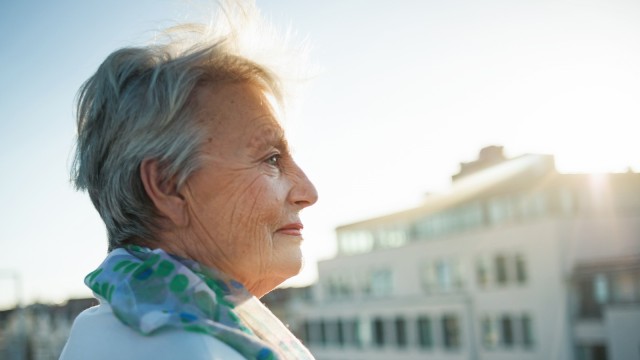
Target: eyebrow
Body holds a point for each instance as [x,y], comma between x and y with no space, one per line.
[268,136]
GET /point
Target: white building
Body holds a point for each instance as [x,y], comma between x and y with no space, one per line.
[516,261]
[38,331]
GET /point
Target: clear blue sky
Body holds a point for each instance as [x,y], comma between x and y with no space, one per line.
[406,91]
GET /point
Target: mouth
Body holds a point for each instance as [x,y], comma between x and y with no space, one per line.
[293,229]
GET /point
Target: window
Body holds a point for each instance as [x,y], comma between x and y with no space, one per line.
[501,269]
[526,331]
[521,269]
[332,287]
[381,282]
[305,334]
[470,216]
[483,271]
[378,332]
[364,331]
[331,329]
[453,220]
[459,272]
[350,333]
[401,332]
[425,332]
[451,332]
[615,287]
[340,333]
[592,352]
[444,274]
[355,241]
[338,285]
[588,307]
[506,330]
[356,338]
[393,237]
[323,332]
[428,276]
[489,332]
[424,228]
[600,289]
[311,329]
[500,210]
[625,287]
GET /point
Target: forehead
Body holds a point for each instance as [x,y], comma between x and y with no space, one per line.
[238,113]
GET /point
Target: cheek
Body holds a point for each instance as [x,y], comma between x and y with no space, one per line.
[242,212]
[264,203]
[257,213]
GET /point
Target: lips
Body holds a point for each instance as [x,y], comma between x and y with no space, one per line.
[294,229]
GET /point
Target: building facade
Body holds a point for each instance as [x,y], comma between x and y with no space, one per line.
[515,261]
[38,331]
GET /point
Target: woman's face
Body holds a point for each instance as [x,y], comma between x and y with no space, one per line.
[244,203]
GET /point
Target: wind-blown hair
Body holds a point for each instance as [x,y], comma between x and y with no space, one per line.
[140,105]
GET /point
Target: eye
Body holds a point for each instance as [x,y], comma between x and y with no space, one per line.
[274,160]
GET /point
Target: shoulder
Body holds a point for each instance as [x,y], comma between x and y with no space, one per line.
[98,334]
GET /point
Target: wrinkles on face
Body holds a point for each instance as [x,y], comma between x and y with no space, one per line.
[268,134]
[226,232]
[240,198]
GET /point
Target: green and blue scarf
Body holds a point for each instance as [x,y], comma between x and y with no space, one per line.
[150,290]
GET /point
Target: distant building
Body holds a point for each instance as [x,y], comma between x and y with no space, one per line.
[289,304]
[606,317]
[38,331]
[516,261]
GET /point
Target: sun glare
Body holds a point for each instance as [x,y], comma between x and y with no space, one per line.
[591,146]
[595,160]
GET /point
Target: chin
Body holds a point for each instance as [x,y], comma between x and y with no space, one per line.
[295,268]
[292,264]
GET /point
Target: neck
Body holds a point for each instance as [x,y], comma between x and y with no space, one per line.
[181,245]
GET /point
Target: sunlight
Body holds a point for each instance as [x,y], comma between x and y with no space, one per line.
[597,153]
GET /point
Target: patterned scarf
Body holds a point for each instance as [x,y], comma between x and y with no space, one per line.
[150,290]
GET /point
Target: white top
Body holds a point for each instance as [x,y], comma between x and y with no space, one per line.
[97,334]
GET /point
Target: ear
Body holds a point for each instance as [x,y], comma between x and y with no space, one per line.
[163,194]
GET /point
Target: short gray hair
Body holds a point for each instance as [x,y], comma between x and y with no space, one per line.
[139,105]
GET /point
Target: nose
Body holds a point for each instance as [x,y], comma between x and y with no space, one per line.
[303,193]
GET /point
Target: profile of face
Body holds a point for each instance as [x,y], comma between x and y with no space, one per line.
[243,204]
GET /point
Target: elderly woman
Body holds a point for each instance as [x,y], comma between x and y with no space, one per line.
[182,154]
